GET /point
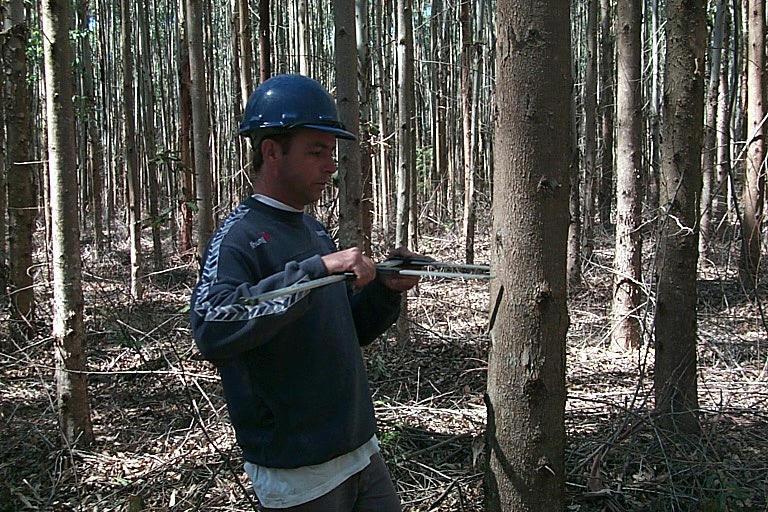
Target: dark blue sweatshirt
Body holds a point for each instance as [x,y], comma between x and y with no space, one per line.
[291,368]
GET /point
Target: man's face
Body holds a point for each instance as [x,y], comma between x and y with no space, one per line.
[305,170]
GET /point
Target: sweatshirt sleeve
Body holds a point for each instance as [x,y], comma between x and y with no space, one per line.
[374,309]
[221,325]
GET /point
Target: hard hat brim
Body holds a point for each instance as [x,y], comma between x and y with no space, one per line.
[340,133]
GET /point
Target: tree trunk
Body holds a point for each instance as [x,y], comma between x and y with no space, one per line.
[626,329]
[723,165]
[573,265]
[131,161]
[405,119]
[187,198]
[96,149]
[526,369]
[675,320]
[754,187]
[150,142]
[22,197]
[590,134]
[200,125]
[364,88]
[265,69]
[709,145]
[350,218]
[68,329]
[605,196]
[467,54]
[246,50]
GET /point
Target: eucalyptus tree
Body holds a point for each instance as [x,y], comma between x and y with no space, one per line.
[350,216]
[200,124]
[723,130]
[675,379]
[525,437]
[754,186]
[130,157]
[364,89]
[590,133]
[265,68]
[709,145]
[626,329]
[467,61]
[606,106]
[22,195]
[68,328]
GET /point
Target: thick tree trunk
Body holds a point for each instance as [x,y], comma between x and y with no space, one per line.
[22,197]
[675,320]
[754,186]
[350,217]
[626,329]
[131,161]
[526,369]
[68,329]
[200,125]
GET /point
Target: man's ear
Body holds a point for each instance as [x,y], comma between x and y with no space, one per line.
[270,150]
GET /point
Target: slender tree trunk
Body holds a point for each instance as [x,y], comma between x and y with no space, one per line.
[150,142]
[265,69]
[590,133]
[366,151]
[22,197]
[675,320]
[187,198]
[3,182]
[304,53]
[605,196]
[246,50]
[626,330]
[350,217]
[709,146]
[526,368]
[68,329]
[131,161]
[754,187]
[405,119]
[200,125]
[654,117]
[723,165]
[96,149]
[574,204]
[467,58]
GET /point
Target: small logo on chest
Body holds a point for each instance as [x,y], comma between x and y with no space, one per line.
[261,238]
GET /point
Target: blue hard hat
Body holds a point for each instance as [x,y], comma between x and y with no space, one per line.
[285,102]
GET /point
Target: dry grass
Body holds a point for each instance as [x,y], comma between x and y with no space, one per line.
[164,440]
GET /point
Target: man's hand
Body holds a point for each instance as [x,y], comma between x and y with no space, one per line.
[399,282]
[351,260]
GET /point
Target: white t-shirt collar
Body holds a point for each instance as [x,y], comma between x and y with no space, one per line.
[274,203]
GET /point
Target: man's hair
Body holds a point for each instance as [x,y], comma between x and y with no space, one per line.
[283,139]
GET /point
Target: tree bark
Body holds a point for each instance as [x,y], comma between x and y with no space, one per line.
[526,370]
[467,59]
[350,217]
[186,161]
[626,329]
[22,197]
[723,163]
[675,319]
[605,197]
[200,125]
[131,161]
[754,186]
[68,328]
[709,146]
[364,89]
[265,68]
[590,134]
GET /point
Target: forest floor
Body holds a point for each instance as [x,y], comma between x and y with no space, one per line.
[164,442]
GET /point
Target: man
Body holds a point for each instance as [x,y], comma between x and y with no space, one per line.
[292,368]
